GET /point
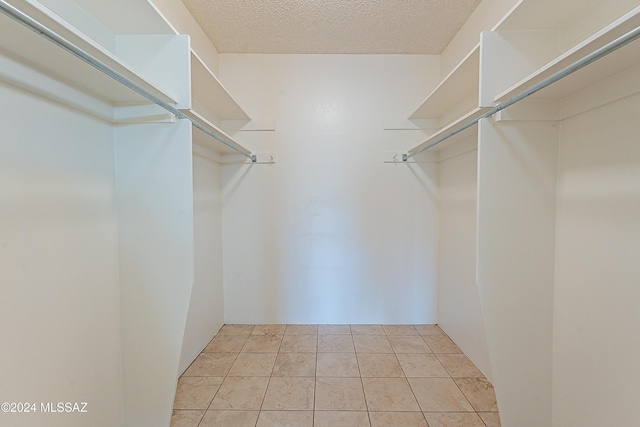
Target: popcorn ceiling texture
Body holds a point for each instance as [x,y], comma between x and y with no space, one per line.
[331,26]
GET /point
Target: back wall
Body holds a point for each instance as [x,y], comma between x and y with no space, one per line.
[330,233]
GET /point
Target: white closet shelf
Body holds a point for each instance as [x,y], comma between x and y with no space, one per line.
[542,15]
[22,43]
[597,71]
[209,92]
[207,140]
[141,16]
[459,84]
[458,137]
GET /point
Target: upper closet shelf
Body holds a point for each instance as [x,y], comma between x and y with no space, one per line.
[460,84]
[542,14]
[210,96]
[616,62]
[19,41]
[459,130]
[204,127]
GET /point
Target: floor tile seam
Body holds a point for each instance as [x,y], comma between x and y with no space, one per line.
[482,419]
[465,396]
[264,397]
[227,376]
[203,415]
[223,380]
[220,386]
[408,383]
[315,380]
[364,394]
[403,371]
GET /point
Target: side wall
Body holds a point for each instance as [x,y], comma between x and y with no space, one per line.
[329,234]
[206,309]
[597,293]
[58,263]
[459,309]
[156,246]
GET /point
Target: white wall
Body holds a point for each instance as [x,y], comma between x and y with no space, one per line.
[517,173]
[206,309]
[597,291]
[329,234]
[58,263]
[459,310]
[154,189]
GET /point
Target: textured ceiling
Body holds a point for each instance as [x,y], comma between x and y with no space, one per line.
[331,26]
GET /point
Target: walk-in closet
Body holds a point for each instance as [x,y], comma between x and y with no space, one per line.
[168,191]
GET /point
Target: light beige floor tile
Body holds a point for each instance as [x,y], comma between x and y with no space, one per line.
[289,393]
[337,365]
[334,329]
[299,344]
[226,344]
[196,392]
[491,419]
[215,418]
[340,394]
[480,393]
[372,344]
[285,419]
[253,365]
[453,419]
[295,365]
[301,330]
[459,365]
[429,330]
[389,395]
[421,365]
[441,344]
[397,419]
[269,330]
[402,330]
[288,398]
[341,419]
[379,365]
[262,344]
[211,365]
[186,418]
[408,344]
[367,330]
[335,344]
[244,330]
[439,395]
[240,393]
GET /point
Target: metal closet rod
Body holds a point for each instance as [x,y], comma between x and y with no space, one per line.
[45,32]
[588,59]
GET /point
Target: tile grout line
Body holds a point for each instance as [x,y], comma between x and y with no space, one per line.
[264,396]
[315,380]
[360,374]
[407,380]
[226,375]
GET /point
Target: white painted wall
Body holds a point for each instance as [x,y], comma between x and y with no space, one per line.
[517,175]
[154,189]
[459,310]
[329,234]
[206,309]
[597,291]
[58,263]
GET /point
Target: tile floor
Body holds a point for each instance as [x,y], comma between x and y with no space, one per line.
[333,376]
